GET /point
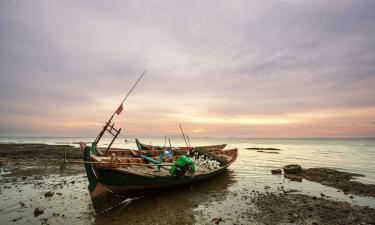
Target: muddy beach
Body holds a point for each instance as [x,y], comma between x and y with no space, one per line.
[340,180]
[33,190]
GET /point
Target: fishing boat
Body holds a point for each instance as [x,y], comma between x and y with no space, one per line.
[130,175]
[124,172]
[142,146]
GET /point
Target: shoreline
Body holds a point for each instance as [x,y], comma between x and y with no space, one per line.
[341,180]
[34,171]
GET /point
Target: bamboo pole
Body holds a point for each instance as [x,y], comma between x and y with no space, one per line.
[97,139]
[130,90]
[183,135]
[188,140]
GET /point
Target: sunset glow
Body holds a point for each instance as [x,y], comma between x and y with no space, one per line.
[221,69]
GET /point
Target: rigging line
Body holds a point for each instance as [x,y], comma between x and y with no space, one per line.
[135,84]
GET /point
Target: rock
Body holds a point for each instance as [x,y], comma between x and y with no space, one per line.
[48,194]
[276,171]
[292,169]
[38,212]
[217,220]
[272,149]
[323,195]
[351,196]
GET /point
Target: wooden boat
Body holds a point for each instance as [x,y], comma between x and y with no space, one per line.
[129,175]
[142,146]
[125,172]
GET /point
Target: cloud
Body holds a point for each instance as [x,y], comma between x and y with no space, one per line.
[76,60]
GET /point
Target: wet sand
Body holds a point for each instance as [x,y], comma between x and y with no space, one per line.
[302,209]
[340,180]
[31,179]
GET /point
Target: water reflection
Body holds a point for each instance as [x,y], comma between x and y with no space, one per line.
[172,206]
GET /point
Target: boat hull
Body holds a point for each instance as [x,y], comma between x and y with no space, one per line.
[123,182]
[105,183]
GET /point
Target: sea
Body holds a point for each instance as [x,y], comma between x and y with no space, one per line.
[252,169]
[355,155]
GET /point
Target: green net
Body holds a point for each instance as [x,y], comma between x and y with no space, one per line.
[181,164]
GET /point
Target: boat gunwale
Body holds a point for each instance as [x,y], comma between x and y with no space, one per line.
[124,170]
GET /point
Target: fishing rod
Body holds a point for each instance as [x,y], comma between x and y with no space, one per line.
[118,111]
[183,135]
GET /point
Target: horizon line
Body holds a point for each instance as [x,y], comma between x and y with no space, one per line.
[199,137]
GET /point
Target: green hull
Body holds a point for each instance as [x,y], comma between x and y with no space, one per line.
[125,182]
[122,181]
[105,183]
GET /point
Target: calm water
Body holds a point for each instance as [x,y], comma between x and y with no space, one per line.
[251,171]
[349,155]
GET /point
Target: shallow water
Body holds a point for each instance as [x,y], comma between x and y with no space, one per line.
[250,172]
[349,155]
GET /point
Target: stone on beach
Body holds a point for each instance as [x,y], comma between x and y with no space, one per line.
[260,149]
[292,169]
[276,171]
[48,194]
[38,211]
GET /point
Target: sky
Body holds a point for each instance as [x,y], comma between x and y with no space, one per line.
[270,69]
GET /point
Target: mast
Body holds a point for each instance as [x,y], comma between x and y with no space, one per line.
[110,127]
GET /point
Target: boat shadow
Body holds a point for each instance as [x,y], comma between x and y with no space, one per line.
[174,205]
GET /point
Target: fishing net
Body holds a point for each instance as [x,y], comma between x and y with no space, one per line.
[182,165]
